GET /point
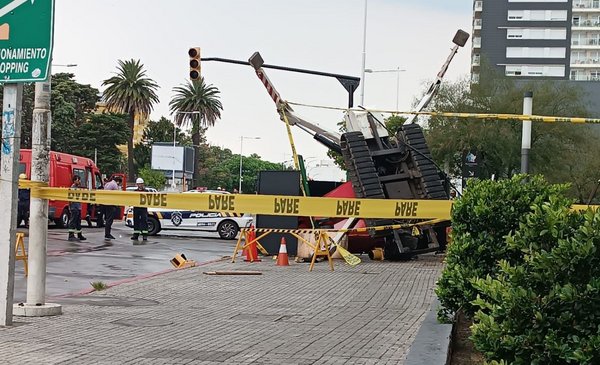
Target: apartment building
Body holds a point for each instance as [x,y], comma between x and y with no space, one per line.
[528,39]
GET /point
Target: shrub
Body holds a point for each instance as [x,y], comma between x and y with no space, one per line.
[481,218]
[545,309]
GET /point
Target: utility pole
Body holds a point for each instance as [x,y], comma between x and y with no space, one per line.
[526,135]
[36,305]
[9,177]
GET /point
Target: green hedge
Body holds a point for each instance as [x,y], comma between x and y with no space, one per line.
[481,218]
[545,309]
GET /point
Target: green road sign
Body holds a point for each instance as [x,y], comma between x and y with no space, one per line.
[26,29]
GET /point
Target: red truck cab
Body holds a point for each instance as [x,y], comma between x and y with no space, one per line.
[63,167]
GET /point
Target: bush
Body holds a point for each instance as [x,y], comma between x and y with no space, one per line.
[481,218]
[152,178]
[545,309]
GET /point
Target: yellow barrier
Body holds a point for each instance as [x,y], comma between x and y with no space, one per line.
[20,246]
[259,204]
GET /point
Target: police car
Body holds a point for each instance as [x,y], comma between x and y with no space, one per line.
[227,225]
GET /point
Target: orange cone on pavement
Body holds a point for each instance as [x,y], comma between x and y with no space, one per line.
[282,258]
[251,251]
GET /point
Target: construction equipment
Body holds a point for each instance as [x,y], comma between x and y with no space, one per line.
[380,165]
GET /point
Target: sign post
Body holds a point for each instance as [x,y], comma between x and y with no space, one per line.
[26,33]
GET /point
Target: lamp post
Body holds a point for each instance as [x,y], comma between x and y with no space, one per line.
[242,138]
[397,71]
[364,58]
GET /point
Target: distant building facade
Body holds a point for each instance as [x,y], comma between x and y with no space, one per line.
[539,39]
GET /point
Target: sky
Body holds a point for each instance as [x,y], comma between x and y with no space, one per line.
[321,35]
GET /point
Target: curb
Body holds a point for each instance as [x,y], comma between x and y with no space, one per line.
[432,343]
[135,279]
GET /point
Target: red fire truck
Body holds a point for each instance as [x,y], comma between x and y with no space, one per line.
[63,167]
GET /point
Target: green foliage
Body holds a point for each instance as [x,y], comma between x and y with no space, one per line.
[481,218]
[157,131]
[71,103]
[562,152]
[545,309]
[152,178]
[220,168]
[197,104]
[102,133]
[130,92]
[98,285]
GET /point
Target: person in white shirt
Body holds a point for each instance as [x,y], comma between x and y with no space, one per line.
[110,210]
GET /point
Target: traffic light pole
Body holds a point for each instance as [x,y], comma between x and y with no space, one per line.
[350,83]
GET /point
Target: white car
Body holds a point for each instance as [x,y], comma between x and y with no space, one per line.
[227,225]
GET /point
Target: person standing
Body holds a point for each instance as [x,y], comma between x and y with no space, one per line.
[75,217]
[23,205]
[110,210]
[140,216]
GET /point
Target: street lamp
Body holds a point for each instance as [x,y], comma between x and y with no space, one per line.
[242,138]
[67,65]
[364,58]
[397,71]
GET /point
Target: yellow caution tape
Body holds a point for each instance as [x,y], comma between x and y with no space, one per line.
[415,229]
[259,204]
[521,117]
[28,184]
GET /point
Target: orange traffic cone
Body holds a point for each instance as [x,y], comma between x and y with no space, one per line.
[282,258]
[251,251]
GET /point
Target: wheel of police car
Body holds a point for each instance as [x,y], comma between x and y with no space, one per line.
[153,226]
[228,230]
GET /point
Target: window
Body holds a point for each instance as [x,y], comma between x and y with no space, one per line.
[536,33]
[98,181]
[538,15]
[82,175]
[536,52]
[535,70]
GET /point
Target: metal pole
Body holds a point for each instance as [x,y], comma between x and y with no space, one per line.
[364,58]
[95,151]
[173,185]
[240,182]
[397,87]
[38,222]
[9,177]
[526,135]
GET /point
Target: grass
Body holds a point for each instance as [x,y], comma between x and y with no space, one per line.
[98,285]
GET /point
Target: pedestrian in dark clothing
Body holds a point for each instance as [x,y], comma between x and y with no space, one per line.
[75,217]
[140,216]
[23,205]
[110,210]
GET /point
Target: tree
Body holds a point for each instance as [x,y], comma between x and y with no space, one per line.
[198,104]
[152,178]
[562,152]
[157,131]
[132,93]
[71,103]
[102,132]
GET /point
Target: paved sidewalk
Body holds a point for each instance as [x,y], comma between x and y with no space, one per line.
[368,314]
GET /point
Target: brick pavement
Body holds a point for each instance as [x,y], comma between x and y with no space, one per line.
[368,314]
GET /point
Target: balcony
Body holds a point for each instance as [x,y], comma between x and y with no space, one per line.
[476,42]
[590,62]
[578,24]
[580,6]
[476,60]
[474,78]
[582,43]
[477,24]
[478,6]
[579,77]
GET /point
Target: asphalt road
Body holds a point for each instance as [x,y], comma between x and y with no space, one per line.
[72,266]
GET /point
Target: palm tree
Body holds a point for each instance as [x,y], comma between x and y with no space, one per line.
[198,104]
[130,92]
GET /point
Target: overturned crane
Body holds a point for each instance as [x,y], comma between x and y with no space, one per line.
[380,165]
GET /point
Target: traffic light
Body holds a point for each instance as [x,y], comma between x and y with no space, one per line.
[194,63]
